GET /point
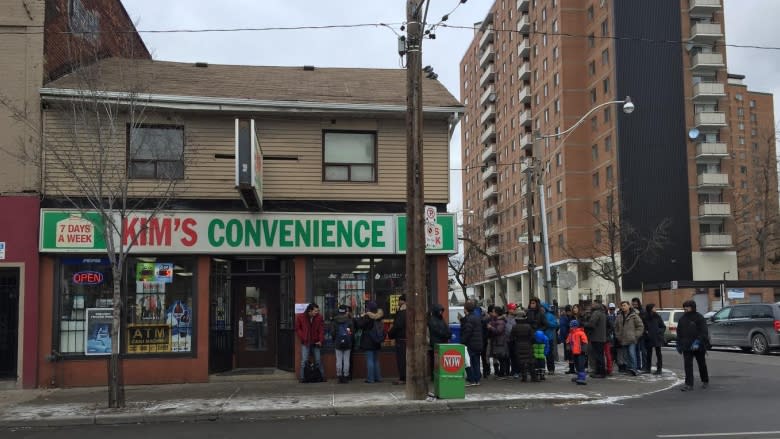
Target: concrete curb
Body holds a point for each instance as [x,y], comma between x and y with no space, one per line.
[411,407]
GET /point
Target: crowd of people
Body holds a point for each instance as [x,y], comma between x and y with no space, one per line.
[522,343]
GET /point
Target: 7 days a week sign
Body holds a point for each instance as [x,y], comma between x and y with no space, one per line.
[235,233]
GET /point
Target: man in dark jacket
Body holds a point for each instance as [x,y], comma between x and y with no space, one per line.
[693,340]
[398,333]
[641,350]
[471,337]
[597,324]
[368,322]
[522,338]
[310,329]
[654,338]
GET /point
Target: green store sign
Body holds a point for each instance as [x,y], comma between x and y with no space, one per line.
[240,233]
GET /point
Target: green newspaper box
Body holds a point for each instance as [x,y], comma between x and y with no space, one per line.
[449,371]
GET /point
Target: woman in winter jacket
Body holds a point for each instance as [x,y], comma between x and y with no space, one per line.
[535,314]
[628,329]
[522,338]
[498,341]
[471,337]
[693,340]
[367,322]
[654,338]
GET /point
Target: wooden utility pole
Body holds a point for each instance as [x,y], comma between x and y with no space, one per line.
[417,294]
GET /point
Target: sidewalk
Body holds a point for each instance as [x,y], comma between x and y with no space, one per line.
[252,398]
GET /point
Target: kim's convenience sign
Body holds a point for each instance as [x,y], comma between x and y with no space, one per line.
[228,233]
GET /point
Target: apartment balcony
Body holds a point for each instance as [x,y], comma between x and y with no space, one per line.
[708,91]
[491,231]
[523,48]
[487,37]
[524,71]
[488,76]
[490,172]
[490,212]
[488,135]
[523,188]
[492,250]
[490,192]
[714,211]
[707,61]
[711,151]
[488,114]
[703,7]
[710,119]
[706,33]
[488,55]
[524,24]
[491,272]
[713,180]
[524,213]
[489,152]
[525,118]
[715,240]
[525,94]
[489,95]
[522,5]
[526,141]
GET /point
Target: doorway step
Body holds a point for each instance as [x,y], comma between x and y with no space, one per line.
[252,374]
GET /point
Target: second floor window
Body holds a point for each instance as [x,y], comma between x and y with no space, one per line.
[349,156]
[155,152]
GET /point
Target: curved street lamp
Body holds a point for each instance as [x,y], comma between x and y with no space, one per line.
[628,108]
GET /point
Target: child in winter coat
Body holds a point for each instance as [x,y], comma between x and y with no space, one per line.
[541,351]
[578,341]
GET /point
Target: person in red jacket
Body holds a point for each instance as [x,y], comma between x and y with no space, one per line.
[310,329]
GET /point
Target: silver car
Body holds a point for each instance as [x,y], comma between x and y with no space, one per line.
[752,327]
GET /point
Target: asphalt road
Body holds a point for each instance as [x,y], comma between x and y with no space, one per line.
[743,401]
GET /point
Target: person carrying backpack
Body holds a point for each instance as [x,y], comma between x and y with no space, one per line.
[345,331]
[310,329]
[371,340]
[551,331]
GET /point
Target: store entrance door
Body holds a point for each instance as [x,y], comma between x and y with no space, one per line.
[257,318]
[9,321]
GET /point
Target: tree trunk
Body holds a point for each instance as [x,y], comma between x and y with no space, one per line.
[116,387]
[618,291]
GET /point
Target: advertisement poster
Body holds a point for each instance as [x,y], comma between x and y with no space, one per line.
[149,301]
[179,317]
[145,338]
[98,334]
[154,272]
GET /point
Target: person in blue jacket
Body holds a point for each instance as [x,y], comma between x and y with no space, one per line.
[541,349]
[551,331]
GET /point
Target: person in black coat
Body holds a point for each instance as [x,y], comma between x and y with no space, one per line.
[654,338]
[693,342]
[471,337]
[522,338]
[398,333]
[438,331]
[535,315]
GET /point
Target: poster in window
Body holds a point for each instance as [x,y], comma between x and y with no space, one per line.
[98,334]
[163,272]
[149,301]
[145,271]
[179,317]
[148,338]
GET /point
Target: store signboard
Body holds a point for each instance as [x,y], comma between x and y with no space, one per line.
[439,237]
[149,338]
[184,232]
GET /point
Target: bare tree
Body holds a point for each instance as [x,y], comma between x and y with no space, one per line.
[618,248]
[756,207]
[475,252]
[88,161]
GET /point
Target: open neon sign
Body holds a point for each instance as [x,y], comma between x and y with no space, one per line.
[88,278]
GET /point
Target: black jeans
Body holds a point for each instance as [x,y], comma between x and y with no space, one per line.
[400,358]
[597,350]
[659,363]
[688,357]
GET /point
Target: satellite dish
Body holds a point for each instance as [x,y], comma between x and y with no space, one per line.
[567,280]
[693,134]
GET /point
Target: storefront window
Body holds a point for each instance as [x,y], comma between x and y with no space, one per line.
[353,282]
[159,312]
[160,315]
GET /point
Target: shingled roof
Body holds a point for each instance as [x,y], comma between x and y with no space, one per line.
[291,84]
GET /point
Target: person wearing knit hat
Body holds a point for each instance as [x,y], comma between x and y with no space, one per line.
[578,342]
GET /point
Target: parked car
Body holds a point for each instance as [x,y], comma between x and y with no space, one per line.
[670,316]
[752,327]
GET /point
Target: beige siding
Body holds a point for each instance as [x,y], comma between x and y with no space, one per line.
[21,73]
[209,177]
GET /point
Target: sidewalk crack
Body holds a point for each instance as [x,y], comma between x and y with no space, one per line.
[226,401]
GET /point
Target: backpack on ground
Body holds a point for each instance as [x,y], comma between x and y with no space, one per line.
[343,336]
[377,332]
[311,373]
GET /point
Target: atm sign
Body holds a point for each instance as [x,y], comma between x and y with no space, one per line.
[452,361]
[87,278]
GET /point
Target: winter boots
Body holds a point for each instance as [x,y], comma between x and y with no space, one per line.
[538,374]
[580,379]
[571,369]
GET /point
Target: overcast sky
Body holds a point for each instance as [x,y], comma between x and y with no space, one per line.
[748,22]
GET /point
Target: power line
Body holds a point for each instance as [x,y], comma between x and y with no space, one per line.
[376,25]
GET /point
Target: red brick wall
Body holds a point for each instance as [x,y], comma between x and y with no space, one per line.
[62,51]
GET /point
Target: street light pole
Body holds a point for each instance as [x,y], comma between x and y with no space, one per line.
[723,290]
[628,108]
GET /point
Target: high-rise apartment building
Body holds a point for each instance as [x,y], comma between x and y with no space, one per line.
[656,188]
